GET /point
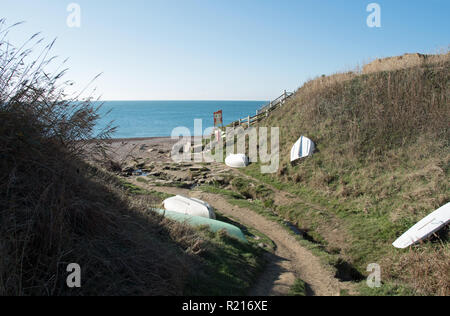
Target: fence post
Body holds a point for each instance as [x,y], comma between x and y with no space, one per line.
[248,120]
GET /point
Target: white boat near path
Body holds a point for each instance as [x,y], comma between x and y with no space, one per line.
[189,206]
[237,161]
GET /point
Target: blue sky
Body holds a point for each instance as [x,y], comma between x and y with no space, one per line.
[227,49]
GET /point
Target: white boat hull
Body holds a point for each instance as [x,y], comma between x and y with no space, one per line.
[237,161]
[424,228]
[304,147]
[189,206]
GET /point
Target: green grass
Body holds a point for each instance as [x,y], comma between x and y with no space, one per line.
[375,229]
[142,180]
[137,190]
[218,190]
[251,190]
[371,233]
[230,267]
[181,185]
[253,236]
[381,164]
[259,207]
[298,288]
[386,289]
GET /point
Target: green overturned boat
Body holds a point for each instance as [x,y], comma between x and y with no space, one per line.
[214,225]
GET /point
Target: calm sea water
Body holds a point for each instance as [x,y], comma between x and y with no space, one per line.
[159,118]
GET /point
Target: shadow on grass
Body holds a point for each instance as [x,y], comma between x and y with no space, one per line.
[272,283]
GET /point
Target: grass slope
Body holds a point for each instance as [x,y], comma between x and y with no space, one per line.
[382,163]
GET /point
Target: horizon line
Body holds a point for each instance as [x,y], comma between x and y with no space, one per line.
[137,100]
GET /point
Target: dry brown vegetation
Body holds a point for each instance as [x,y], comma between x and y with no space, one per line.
[378,110]
[55,209]
[382,161]
[402,62]
[426,269]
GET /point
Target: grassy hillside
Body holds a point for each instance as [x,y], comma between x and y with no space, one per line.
[382,163]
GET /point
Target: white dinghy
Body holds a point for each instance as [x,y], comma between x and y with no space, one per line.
[423,229]
[189,206]
[304,147]
[237,161]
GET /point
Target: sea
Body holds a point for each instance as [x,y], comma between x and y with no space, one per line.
[135,119]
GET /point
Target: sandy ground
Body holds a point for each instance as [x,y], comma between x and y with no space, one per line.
[290,261]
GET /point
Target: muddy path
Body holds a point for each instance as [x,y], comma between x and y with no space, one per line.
[290,261]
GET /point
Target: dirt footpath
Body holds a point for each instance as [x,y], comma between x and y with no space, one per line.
[290,260]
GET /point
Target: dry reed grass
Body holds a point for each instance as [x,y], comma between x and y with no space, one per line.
[402,62]
[427,270]
[55,209]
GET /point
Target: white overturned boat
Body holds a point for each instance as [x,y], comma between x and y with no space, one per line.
[304,147]
[189,206]
[237,161]
[424,228]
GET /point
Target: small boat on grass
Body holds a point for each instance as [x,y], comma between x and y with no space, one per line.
[214,225]
[189,206]
[304,147]
[425,228]
[237,161]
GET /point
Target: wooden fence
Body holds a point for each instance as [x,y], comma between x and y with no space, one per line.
[263,111]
